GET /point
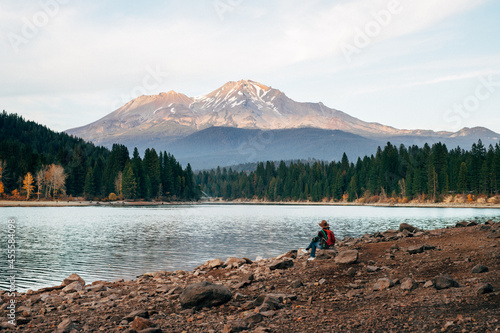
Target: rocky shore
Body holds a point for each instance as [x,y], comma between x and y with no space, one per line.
[406,280]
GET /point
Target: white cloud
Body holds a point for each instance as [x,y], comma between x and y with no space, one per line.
[83,52]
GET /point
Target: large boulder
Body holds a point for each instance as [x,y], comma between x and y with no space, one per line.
[479,269]
[281,264]
[408,284]
[406,226]
[204,294]
[347,257]
[383,283]
[214,263]
[73,287]
[444,281]
[233,262]
[484,288]
[72,278]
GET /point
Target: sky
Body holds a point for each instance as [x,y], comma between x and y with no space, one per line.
[408,64]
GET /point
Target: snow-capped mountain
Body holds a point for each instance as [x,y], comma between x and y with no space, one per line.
[180,124]
[243,104]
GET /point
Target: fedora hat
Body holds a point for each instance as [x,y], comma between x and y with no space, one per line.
[324,224]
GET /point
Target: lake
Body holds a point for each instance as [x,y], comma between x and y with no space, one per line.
[109,243]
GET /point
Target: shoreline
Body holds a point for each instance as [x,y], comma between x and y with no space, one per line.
[438,280]
[65,203]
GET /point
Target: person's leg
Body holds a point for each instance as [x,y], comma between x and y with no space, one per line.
[313,246]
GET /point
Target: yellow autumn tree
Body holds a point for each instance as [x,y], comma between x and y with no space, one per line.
[28,185]
[15,194]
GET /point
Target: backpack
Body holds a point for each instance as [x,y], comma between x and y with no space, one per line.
[328,240]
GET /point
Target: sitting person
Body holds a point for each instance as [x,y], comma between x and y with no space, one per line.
[324,240]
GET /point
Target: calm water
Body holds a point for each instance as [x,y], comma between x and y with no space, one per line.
[109,243]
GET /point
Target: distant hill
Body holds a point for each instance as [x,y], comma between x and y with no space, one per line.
[222,146]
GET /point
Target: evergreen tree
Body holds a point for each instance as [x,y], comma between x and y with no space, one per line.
[152,169]
[462,178]
[89,188]
[129,185]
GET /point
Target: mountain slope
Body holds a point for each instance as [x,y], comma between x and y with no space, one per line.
[223,146]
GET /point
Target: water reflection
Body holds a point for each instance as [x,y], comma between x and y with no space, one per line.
[109,243]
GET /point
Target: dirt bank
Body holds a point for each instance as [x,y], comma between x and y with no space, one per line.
[392,286]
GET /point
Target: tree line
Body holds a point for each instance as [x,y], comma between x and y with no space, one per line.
[37,160]
[403,173]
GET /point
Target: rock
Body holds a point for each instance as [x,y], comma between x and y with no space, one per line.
[351,271]
[235,326]
[72,278]
[326,254]
[406,233]
[415,249]
[296,284]
[428,284]
[347,257]
[243,284]
[7,325]
[408,284]
[484,288]
[281,264]
[204,294]
[65,326]
[248,277]
[252,318]
[215,263]
[267,302]
[354,293]
[137,313]
[233,262]
[175,291]
[290,254]
[479,269]
[371,269]
[420,248]
[389,233]
[427,247]
[97,287]
[383,283]
[140,323]
[269,313]
[444,281]
[407,227]
[462,224]
[471,223]
[73,287]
